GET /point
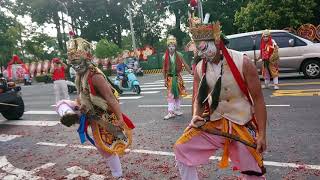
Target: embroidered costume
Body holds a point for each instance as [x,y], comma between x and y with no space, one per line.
[109,139]
[270,58]
[172,68]
[229,120]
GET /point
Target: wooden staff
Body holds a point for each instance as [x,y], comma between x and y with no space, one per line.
[217,132]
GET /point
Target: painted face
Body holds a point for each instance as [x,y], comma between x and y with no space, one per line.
[79,65]
[207,50]
[265,38]
[171,48]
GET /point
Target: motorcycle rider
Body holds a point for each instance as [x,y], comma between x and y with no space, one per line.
[121,68]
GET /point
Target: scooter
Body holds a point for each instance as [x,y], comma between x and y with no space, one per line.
[71,86]
[131,83]
[27,80]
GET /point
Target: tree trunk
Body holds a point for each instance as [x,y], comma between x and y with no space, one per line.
[59,36]
[178,18]
[119,37]
[63,34]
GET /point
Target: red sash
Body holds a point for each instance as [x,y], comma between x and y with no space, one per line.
[237,76]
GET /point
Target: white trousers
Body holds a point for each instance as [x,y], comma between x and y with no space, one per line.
[268,77]
[113,161]
[60,90]
[115,166]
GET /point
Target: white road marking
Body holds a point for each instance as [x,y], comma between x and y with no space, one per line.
[154,88]
[51,144]
[40,112]
[7,137]
[55,105]
[12,172]
[162,153]
[77,171]
[155,83]
[130,97]
[30,123]
[189,105]
[152,85]
[156,106]
[278,105]
[185,81]
[150,92]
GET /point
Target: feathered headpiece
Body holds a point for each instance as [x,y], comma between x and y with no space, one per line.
[79,48]
[171,40]
[204,32]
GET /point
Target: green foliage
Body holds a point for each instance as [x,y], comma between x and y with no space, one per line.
[42,47]
[8,37]
[106,49]
[42,78]
[224,12]
[274,14]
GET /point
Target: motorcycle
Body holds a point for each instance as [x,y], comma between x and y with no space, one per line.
[27,80]
[130,83]
[71,86]
[11,102]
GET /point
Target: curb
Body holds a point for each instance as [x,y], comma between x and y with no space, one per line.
[152,71]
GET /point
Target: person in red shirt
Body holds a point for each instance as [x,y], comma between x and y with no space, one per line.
[270,58]
[58,76]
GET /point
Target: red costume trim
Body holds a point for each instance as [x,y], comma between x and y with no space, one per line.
[167,62]
[265,52]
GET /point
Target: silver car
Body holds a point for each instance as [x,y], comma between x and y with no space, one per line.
[296,53]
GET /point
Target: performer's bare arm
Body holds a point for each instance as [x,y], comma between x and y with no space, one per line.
[186,66]
[64,65]
[252,79]
[52,68]
[105,92]
[197,110]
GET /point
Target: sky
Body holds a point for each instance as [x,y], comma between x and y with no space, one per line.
[51,30]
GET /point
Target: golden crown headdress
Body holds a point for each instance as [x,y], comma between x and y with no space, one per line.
[204,32]
[79,48]
[266,33]
[171,40]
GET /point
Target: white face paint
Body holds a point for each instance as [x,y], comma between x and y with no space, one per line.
[172,48]
[80,66]
[207,50]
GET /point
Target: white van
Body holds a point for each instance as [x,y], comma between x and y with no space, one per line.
[296,53]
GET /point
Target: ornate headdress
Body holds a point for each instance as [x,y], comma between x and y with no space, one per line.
[204,32]
[266,33]
[79,48]
[171,40]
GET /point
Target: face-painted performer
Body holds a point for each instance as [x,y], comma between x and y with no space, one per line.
[229,92]
[172,68]
[270,58]
[98,106]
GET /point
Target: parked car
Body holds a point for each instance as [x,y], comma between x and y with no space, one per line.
[296,53]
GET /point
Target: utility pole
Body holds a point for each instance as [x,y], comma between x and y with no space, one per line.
[132,29]
[200,10]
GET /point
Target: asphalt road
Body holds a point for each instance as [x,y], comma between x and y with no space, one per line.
[38,147]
